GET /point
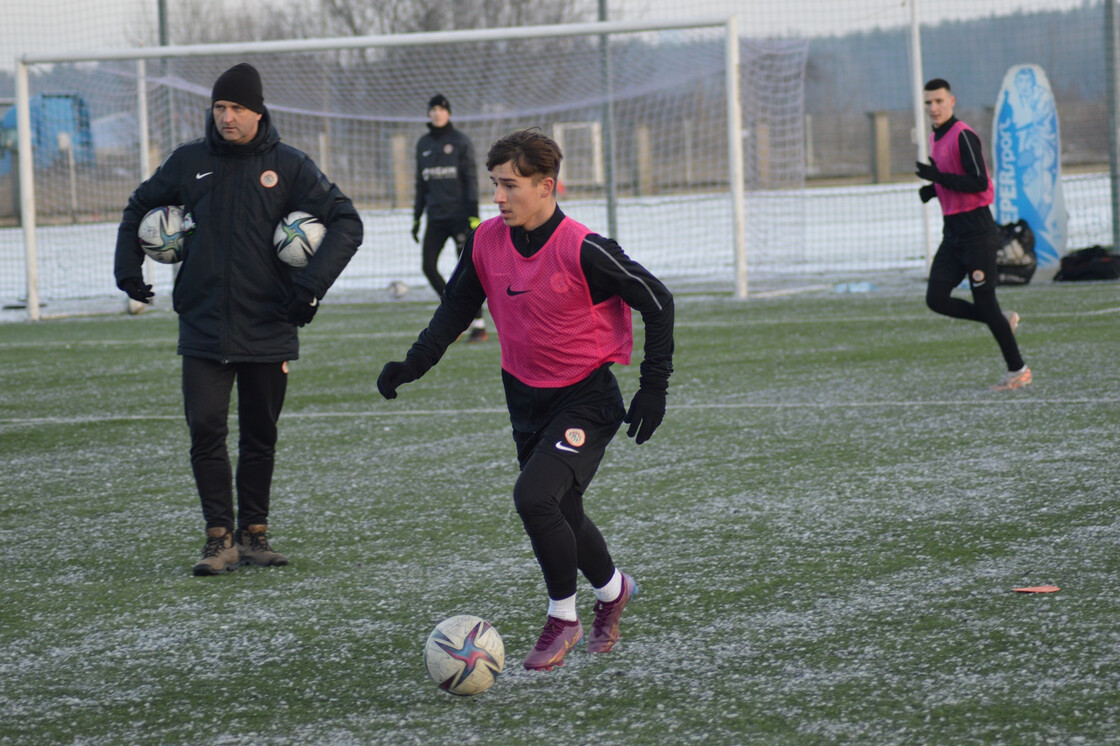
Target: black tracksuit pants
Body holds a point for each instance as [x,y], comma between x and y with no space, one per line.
[559,452]
[973,257]
[207,389]
[436,236]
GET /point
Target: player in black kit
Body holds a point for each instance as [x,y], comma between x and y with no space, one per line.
[447,187]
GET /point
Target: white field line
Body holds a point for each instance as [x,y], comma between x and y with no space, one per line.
[172,339]
[929,316]
[1012,400]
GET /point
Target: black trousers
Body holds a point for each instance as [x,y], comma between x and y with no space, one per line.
[207,389]
[974,258]
[557,463]
[436,236]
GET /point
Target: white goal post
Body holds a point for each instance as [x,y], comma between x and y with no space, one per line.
[673,98]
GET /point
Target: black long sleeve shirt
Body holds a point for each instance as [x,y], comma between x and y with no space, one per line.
[974,179]
[609,272]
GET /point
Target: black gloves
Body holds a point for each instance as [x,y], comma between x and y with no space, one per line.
[416,230]
[137,289]
[394,375]
[647,410]
[302,306]
[929,171]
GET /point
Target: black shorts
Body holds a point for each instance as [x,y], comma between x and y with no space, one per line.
[578,434]
[973,257]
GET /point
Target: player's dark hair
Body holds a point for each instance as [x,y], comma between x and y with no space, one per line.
[531,152]
[937,84]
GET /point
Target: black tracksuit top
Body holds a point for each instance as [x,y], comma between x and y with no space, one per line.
[446,175]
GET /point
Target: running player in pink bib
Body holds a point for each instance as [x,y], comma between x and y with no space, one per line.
[560,297]
[971,237]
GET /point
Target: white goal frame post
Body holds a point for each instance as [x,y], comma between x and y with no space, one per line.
[735,130]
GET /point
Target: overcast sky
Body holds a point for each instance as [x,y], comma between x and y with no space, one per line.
[45,26]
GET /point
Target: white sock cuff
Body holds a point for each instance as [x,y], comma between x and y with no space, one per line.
[612,589]
[563,608]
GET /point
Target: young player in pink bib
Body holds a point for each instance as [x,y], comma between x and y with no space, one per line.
[560,297]
[971,237]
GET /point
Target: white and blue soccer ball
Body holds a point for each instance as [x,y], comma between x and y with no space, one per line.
[162,233]
[297,238]
[398,289]
[464,655]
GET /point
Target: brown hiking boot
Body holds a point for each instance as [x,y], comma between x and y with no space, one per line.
[219,555]
[252,544]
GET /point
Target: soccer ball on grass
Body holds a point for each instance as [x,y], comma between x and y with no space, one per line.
[464,654]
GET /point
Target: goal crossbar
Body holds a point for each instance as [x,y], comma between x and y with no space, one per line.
[602,29]
[377,41]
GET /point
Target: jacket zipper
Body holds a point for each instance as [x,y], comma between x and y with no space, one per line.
[227,258]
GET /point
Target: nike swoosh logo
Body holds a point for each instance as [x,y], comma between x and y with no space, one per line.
[561,447]
[511,292]
[426,152]
[202,176]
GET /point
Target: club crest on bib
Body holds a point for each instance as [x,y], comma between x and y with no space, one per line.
[575,436]
[977,277]
[559,283]
[269,179]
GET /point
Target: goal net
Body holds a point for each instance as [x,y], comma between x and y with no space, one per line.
[641,113]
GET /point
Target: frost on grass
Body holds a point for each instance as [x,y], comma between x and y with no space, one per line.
[825,550]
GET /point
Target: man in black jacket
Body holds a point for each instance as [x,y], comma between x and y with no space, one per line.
[238,304]
[447,187]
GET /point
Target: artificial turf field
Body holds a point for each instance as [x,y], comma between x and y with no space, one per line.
[827,530]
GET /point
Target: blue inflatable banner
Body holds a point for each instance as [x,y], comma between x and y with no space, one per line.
[1027,170]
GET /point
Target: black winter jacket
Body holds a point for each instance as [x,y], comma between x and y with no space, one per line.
[230,288]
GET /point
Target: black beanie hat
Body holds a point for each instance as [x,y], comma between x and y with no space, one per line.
[440,100]
[240,84]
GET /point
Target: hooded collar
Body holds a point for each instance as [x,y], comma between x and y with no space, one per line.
[266,137]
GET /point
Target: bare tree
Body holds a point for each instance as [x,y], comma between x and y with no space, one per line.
[361,17]
[292,19]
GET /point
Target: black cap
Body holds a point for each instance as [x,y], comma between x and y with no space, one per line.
[240,84]
[439,100]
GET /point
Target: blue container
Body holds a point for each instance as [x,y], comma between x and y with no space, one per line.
[51,115]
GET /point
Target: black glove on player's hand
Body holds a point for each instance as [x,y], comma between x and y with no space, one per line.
[647,410]
[137,289]
[927,193]
[416,230]
[393,376]
[929,171]
[302,306]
